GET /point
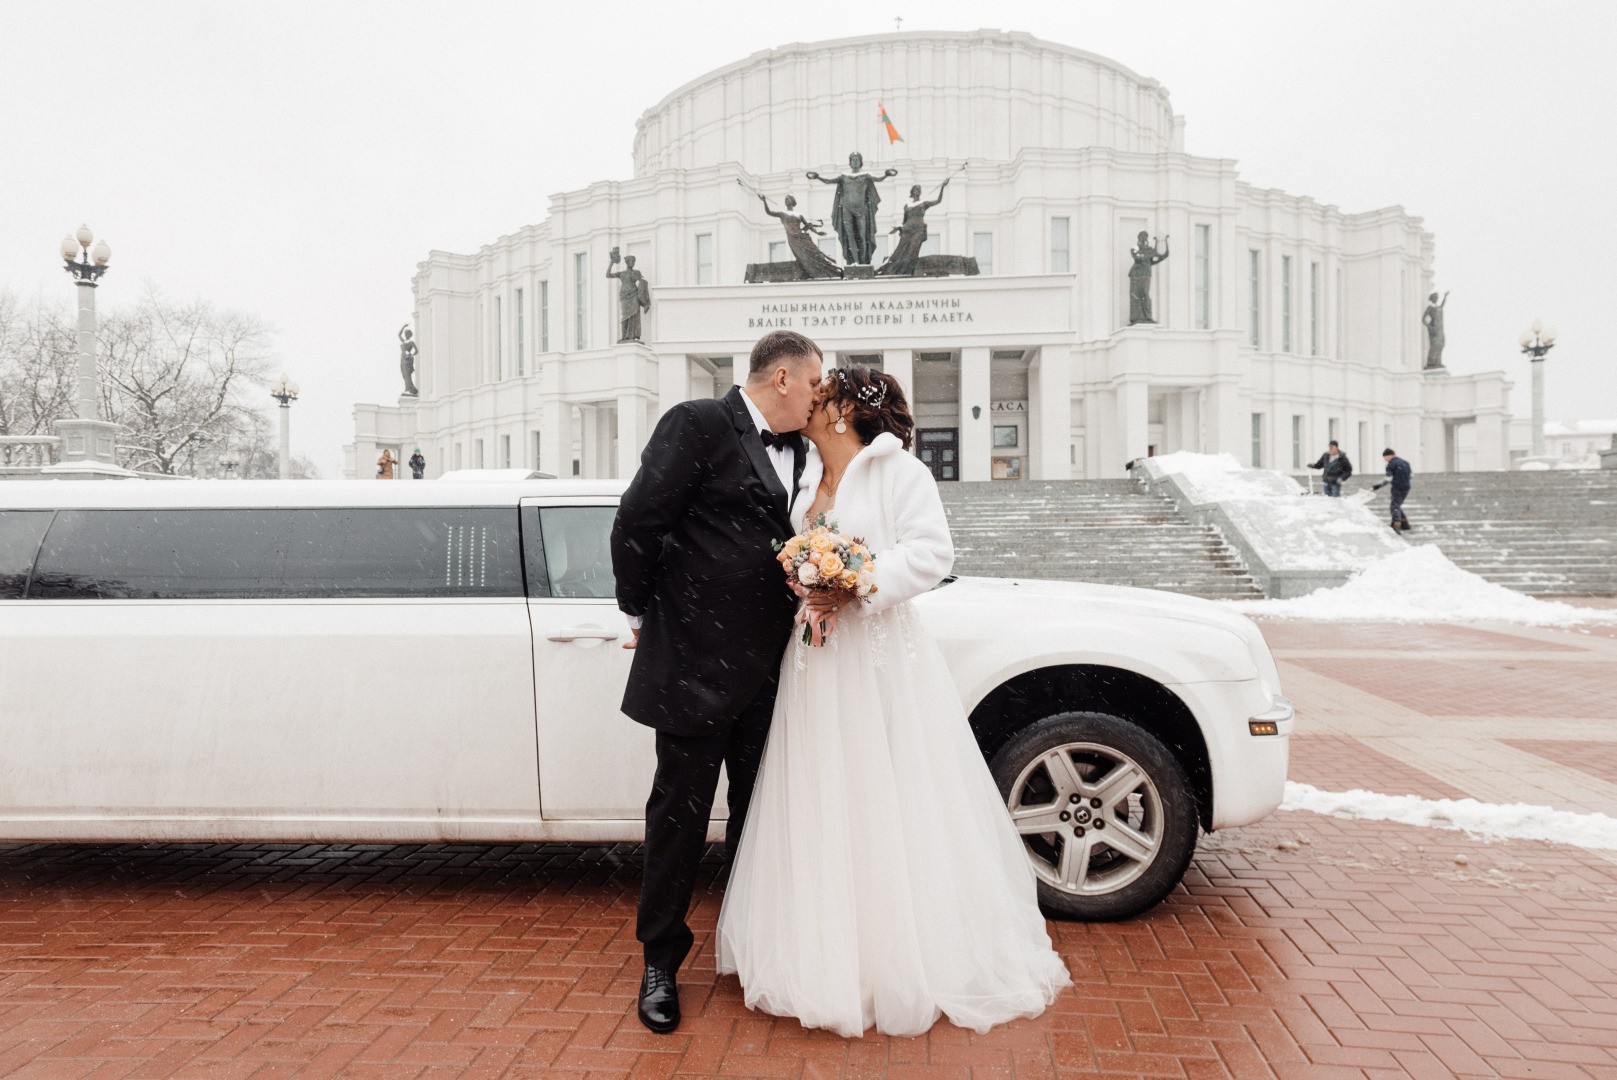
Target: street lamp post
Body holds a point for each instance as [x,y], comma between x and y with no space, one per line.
[285,391]
[229,461]
[1536,342]
[88,443]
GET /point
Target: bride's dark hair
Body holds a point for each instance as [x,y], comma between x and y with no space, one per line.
[872,402]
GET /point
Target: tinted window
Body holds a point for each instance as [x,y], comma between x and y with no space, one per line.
[572,555]
[280,553]
[20,534]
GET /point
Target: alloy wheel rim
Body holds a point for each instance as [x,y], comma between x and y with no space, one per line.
[1089,816]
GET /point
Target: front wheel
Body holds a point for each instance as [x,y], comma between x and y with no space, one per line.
[1105,811]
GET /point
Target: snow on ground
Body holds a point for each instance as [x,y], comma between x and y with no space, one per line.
[1519,821]
[1217,477]
[1422,585]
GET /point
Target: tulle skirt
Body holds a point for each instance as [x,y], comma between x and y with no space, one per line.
[879,879]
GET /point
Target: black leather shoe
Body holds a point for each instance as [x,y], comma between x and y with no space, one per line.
[659,1000]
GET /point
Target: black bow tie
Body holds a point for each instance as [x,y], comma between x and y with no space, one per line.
[789,441]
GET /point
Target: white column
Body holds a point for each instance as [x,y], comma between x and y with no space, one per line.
[633,431]
[673,381]
[900,364]
[1133,424]
[87,344]
[976,432]
[555,438]
[1049,417]
[589,458]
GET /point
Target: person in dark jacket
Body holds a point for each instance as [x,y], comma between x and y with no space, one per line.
[711,615]
[1398,474]
[1337,469]
[418,464]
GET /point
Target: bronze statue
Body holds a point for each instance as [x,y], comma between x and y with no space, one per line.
[634,296]
[800,233]
[853,211]
[911,234]
[407,351]
[1433,320]
[1145,257]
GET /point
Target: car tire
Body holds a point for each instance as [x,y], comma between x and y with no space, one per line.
[1121,814]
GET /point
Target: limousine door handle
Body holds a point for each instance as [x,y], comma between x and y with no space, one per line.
[573,633]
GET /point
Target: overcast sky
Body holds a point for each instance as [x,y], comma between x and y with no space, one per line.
[297,160]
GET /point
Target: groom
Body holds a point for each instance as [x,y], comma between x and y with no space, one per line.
[711,616]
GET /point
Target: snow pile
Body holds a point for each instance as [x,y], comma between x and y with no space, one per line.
[1519,821]
[1420,584]
[1220,478]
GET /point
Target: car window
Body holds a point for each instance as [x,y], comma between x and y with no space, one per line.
[280,553]
[577,549]
[20,534]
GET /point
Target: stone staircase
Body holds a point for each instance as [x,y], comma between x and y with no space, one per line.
[1106,531]
[1546,533]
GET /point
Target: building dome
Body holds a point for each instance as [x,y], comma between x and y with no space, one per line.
[985,94]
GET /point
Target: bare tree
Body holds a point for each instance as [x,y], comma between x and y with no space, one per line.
[176,377]
[38,367]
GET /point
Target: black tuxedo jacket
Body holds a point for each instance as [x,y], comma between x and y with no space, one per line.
[691,552]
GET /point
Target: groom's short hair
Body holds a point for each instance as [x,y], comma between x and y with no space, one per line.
[778,345]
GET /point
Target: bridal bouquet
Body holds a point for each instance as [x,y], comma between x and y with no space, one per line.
[823,561]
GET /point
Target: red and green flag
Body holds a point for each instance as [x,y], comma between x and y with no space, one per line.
[892,132]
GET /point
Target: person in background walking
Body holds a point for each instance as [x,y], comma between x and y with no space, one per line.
[384,465]
[418,464]
[1398,474]
[1337,469]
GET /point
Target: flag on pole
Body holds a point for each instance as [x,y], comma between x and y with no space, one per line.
[892,132]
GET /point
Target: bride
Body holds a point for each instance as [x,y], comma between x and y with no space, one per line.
[879,880]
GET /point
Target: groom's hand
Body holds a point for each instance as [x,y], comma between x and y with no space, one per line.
[633,641]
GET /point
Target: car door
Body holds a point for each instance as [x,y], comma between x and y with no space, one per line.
[594,762]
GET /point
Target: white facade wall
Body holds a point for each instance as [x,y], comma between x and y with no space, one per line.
[1034,132]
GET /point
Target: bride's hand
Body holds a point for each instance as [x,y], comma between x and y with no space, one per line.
[821,621]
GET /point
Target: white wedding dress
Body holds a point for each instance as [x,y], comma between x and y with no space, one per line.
[879,879]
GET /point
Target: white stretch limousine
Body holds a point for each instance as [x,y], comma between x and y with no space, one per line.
[308,661]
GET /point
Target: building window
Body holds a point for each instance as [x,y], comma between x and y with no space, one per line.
[829,245]
[457,456]
[1364,443]
[982,247]
[505,451]
[1296,442]
[1254,286]
[477,454]
[535,461]
[1341,298]
[779,252]
[581,300]
[544,316]
[704,258]
[499,338]
[520,329]
[1285,303]
[933,243]
[1313,309]
[1204,257]
[1059,262]
[1334,425]
[1257,437]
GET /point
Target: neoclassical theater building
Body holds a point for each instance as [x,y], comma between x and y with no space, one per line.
[1280,322]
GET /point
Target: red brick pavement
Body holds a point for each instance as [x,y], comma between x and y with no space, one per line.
[1595,758]
[1342,763]
[1365,952]
[1443,687]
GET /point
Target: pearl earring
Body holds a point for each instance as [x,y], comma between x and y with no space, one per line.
[842,426]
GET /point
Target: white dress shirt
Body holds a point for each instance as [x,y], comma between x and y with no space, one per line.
[779,456]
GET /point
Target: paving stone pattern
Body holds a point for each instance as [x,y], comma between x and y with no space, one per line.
[1365,952]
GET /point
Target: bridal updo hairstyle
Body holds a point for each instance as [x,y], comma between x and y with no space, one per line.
[871,402]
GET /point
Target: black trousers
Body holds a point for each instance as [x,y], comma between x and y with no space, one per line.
[1396,505]
[677,816]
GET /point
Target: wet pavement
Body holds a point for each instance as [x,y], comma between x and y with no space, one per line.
[1303,947]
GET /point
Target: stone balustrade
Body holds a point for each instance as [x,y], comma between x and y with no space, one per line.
[23,454]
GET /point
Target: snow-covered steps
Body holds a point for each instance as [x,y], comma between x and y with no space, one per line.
[1548,533]
[1106,531]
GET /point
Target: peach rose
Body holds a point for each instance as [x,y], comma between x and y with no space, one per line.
[830,564]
